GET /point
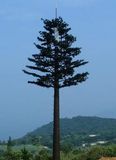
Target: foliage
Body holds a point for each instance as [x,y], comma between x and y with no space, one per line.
[25,154]
[43,155]
[57,58]
[75,131]
[92,153]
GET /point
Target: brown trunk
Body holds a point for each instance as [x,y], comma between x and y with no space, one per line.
[56,126]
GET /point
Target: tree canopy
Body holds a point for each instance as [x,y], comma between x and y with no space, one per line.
[56,59]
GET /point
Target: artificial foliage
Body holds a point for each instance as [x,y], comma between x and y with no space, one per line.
[56,59]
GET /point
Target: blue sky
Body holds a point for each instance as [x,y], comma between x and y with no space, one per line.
[24,107]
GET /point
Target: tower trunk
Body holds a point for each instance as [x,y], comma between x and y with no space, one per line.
[56,125]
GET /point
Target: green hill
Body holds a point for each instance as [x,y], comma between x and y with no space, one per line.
[76,131]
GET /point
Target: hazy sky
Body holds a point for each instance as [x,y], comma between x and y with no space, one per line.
[25,107]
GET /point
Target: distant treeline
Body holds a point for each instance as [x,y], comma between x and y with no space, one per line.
[76,131]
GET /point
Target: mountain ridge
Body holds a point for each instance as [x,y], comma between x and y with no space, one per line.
[75,130]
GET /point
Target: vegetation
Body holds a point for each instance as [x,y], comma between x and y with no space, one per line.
[10,151]
[75,132]
[56,66]
[88,153]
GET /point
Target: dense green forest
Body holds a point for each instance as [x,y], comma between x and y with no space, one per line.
[77,131]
